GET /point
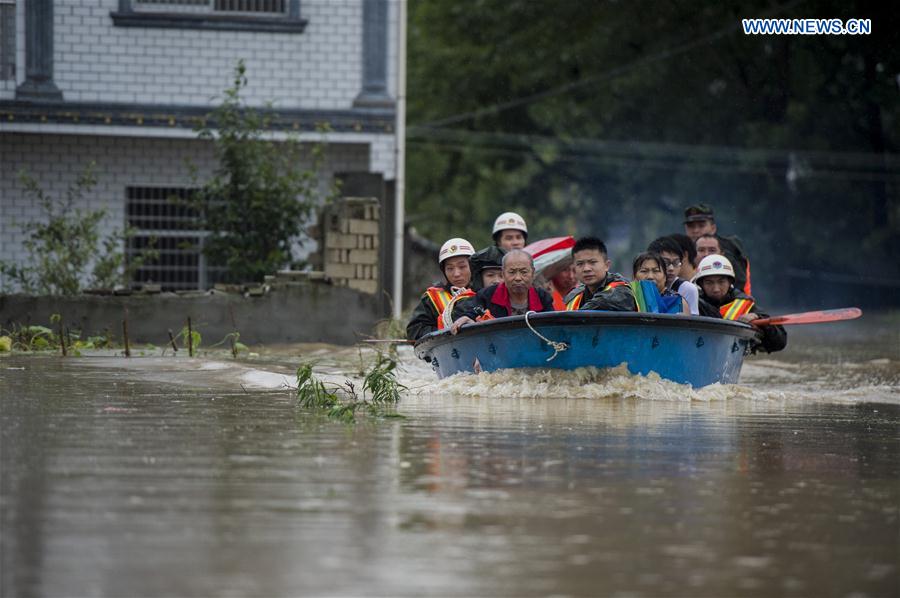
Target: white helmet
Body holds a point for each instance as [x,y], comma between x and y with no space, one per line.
[455,247]
[714,265]
[509,221]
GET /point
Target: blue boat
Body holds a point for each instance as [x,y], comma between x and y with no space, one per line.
[691,350]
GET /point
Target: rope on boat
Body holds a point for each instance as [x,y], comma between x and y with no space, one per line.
[447,315]
[558,347]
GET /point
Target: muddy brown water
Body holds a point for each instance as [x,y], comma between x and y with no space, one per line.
[158,476]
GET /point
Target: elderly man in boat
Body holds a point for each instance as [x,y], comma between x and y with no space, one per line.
[720,299]
[453,260]
[600,289]
[516,295]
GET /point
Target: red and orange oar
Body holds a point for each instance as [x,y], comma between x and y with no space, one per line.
[811,317]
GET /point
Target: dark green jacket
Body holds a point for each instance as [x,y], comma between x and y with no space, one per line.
[617,298]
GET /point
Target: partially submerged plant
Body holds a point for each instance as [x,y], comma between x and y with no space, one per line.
[380,391]
[190,336]
[34,338]
[381,381]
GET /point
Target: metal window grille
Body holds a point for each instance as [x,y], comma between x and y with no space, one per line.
[161,220]
[7,40]
[260,7]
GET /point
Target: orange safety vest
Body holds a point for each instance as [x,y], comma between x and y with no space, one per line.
[440,297]
[575,303]
[558,303]
[735,309]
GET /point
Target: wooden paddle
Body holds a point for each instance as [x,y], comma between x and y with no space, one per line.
[811,317]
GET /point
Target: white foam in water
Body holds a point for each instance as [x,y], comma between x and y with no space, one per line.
[761,380]
[267,380]
[588,383]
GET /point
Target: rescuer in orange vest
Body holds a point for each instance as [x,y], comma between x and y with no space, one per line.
[561,285]
[720,299]
[600,289]
[454,262]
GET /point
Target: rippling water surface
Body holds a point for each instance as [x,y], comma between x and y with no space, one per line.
[161,476]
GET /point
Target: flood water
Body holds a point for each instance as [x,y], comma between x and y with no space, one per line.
[163,476]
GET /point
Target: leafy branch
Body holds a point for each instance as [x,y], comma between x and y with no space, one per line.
[380,392]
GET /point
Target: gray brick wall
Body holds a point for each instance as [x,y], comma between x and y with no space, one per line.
[8,87]
[94,61]
[56,160]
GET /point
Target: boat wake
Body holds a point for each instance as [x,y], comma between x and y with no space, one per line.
[761,380]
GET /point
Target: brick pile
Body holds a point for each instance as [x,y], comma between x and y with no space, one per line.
[351,243]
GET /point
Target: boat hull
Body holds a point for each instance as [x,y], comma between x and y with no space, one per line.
[691,350]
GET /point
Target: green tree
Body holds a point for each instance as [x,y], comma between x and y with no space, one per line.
[609,118]
[258,198]
[65,248]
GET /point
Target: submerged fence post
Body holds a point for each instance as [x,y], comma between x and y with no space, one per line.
[190,338]
[172,340]
[62,338]
[125,336]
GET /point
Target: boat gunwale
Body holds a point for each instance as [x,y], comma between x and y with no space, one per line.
[586,317]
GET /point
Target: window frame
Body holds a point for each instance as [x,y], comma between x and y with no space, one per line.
[291,22]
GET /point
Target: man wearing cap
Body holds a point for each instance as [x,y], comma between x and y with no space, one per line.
[516,295]
[453,260]
[719,299]
[510,231]
[699,220]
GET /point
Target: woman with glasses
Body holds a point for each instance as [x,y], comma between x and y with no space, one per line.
[670,252]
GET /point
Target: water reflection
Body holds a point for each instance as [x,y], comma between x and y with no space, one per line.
[114,486]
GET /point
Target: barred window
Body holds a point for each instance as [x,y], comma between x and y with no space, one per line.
[267,7]
[162,220]
[7,40]
[273,16]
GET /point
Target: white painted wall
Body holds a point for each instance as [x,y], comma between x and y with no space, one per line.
[57,160]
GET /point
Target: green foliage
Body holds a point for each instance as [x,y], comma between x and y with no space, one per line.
[194,335]
[232,338]
[381,381]
[258,199]
[380,392]
[311,391]
[32,338]
[600,118]
[65,247]
[41,338]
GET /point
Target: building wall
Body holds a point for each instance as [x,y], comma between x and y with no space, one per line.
[96,61]
[100,68]
[57,160]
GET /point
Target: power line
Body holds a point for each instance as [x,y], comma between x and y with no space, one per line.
[670,156]
[609,74]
